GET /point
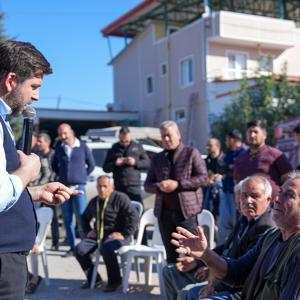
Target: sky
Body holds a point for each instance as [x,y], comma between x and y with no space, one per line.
[67,32]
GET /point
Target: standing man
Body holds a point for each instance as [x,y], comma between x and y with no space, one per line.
[72,162]
[294,155]
[261,159]
[22,68]
[215,169]
[125,160]
[176,176]
[115,222]
[46,155]
[228,209]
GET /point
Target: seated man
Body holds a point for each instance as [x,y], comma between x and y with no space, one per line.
[116,223]
[270,269]
[256,218]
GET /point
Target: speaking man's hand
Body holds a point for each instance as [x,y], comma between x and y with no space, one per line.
[29,168]
[52,193]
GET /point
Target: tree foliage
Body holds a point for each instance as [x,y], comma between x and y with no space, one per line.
[267,97]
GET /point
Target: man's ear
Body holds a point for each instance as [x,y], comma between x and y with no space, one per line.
[10,81]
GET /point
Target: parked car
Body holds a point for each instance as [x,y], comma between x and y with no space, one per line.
[99,148]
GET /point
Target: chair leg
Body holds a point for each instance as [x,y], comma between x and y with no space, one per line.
[126,273]
[148,269]
[45,264]
[159,272]
[137,268]
[95,269]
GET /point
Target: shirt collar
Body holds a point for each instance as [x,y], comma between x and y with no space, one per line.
[4,109]
[76,144]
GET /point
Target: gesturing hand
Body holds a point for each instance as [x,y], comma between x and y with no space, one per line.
[52,193]
[188,243]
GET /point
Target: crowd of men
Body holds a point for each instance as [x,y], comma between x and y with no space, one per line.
[239,197]
[252,190]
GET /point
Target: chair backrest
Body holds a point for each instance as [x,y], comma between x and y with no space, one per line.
[138,206]
[147,219]
[44,217]
[206,218]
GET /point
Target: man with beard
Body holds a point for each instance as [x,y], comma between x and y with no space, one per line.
[22,68]
[270,269]
[261,159]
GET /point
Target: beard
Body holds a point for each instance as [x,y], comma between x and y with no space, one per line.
[15,100]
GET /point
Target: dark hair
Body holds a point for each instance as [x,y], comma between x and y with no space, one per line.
[45,136]
[262,124]
[297,129]
[235,134]
[23,59]
[124,130]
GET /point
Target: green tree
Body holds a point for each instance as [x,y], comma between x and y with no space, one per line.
[272,98]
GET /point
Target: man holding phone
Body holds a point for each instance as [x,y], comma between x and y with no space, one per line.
[125,160]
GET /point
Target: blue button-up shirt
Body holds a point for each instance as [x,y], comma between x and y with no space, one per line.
[11,186]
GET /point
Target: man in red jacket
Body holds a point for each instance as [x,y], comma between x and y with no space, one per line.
[176,176]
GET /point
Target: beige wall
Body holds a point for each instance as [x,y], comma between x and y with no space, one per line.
[224,34]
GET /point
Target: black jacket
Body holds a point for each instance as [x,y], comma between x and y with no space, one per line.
[119,216]
[237,245]
[126,175]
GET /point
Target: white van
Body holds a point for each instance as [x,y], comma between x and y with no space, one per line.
[99,148]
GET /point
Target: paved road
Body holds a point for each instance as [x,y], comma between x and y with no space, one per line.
[66,277]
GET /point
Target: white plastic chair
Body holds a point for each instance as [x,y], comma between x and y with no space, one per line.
[206,218]
[44,218]
[155,250]
[138,206]
[140,209]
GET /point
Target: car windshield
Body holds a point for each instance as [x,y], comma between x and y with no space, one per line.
[99,156]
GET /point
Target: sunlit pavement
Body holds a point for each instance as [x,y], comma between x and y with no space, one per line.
[66,277]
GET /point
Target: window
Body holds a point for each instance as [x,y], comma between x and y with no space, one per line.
[266,63]
[237,65]
[163,69]
[186,72]
[179,115]
[149,85]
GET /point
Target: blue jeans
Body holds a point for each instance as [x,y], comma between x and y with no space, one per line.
[212,197]
[192,293]
[76,204]
[228,217]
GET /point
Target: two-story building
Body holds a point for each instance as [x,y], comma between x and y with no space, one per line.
[184,58]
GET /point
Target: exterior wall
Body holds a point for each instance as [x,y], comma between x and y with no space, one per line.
[143,58]
[290,57]
[208,42]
